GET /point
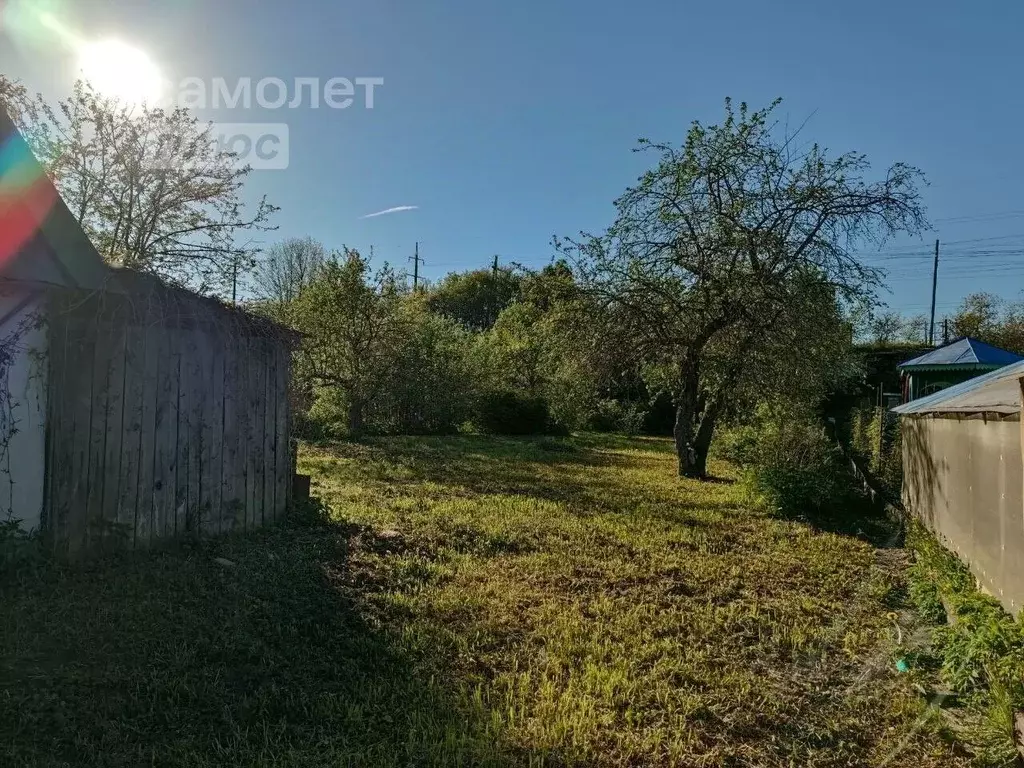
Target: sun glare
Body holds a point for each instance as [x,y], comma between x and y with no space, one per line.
[120,71]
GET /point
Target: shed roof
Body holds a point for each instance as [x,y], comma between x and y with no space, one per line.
[40,240]
[963,353]
[994,392]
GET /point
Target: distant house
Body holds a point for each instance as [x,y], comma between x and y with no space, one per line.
[951,364]
[130,410]
[963,475]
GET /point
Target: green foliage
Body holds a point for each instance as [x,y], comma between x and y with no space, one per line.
[877,441]
[433,382]
[791,464]
[625,417]
[725,254]
[353,329]
[738,445]
[983,643]
[326,418]
[475,299]
[512,413]
[990,319]
[535,352]
[980,649]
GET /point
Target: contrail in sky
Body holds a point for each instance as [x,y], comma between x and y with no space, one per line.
[397,209]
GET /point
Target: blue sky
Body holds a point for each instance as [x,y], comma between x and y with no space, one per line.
[507,123]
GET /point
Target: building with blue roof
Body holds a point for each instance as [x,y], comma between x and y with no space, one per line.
[956,362]
[963,475]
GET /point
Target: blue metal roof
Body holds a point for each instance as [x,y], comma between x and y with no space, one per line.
[996,391]
[965,351]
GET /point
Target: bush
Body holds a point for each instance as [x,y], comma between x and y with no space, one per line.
[429,389]
[980,654]
[510,413]
[327,417]
[618,416]
[737,445]
[792,466]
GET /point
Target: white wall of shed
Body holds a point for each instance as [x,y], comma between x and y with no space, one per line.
[23,408]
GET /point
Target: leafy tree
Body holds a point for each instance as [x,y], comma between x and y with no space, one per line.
[432,385]
[476,298]
[544,351]
[709,240]
[792,361]
[915,329]
[991,319]
[150,187]
[890,327]
[353,329]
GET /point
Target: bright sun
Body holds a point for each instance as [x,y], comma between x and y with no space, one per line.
[120,71]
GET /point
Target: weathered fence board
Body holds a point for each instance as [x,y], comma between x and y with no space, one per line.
[212,370]
[147,492]
[163,423]
[232,498]
[283,470]
[131,424]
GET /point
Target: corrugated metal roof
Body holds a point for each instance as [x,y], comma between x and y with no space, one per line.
[965,351]
[994,392]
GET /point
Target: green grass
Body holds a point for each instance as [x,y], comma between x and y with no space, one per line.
[476,601]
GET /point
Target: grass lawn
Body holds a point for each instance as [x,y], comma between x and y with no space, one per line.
[476,601]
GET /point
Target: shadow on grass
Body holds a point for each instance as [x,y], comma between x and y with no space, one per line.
[241,651]
[572,471]
[857,516]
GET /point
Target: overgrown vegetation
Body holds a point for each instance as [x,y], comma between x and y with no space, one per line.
[790,464]
[475,601]
[876,440]
[977,647]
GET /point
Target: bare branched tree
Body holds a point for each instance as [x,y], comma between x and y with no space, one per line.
[285,269]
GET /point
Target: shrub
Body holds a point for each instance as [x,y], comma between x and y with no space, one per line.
[511,413]
[618,416]
[327,417]
[980,653]
[737,445]
[792,466]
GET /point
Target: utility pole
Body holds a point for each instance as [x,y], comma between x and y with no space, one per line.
[416,268]
[494,269]
[945,330]
[234,282]
[935,282]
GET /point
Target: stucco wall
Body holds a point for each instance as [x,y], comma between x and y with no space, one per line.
[22,407]
[964,479]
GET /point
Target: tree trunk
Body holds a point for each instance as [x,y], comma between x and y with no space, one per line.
[355,417]
[702,443]
[686,417]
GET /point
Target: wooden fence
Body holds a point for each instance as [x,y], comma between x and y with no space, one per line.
[168,415]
